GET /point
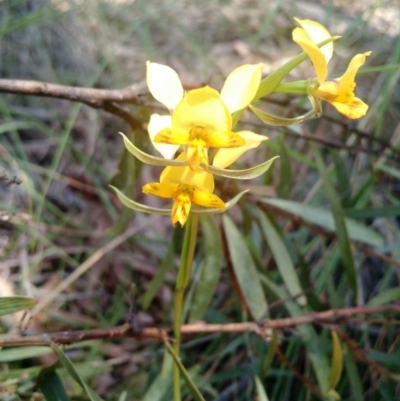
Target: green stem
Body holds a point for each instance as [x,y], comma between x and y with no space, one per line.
[185,268]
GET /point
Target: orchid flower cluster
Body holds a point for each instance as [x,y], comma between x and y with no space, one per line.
[197,138]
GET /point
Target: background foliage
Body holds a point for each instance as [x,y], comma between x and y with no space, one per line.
[286,239]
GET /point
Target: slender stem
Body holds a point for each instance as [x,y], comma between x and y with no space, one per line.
[185,268]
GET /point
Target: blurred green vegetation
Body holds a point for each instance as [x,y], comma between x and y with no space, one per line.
[320,230]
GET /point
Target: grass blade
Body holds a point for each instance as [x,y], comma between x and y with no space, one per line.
[245,270]
[15,304]
[281,257]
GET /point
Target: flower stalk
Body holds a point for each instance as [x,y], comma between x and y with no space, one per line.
[185,269]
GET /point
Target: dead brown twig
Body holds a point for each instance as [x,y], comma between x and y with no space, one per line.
[106,99]
[124,331]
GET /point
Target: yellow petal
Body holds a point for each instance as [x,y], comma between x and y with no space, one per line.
[347,80]
[224,140]
[317,34]
[328,90]
[181,208]
[156,124]
[355,108]
[162,190]
[319,57]
[172,136]
[199,179]
[241,86]
[207,200]
[226,157]
[164,84]
[202,108]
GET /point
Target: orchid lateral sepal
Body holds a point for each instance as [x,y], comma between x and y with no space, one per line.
[131,204]
[269,83]
[194,209]
[149,159]
[246,174]
[281,121]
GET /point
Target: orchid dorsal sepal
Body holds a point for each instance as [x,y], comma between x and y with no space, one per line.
[269,83]
[228,205]
[149,159]
[280,121]
[131,204]
[246,174]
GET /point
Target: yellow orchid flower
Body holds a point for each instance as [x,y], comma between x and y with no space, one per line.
[340,91]
[185,186]
[201,118]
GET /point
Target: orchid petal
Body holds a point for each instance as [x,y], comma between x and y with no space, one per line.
[226,157]
[228,205]
[207,200]
[161,190]
[241,86]
[164,84]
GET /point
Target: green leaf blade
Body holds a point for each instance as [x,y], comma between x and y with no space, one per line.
[211,269]
[15,304]
[282,258]
[245,270]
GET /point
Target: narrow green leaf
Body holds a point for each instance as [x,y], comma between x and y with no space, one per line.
[162,383]
[18,354]
[246,174]
[262,395]
[387,390]
[373,212]
[323,218]
[395,172]
[282,258]
[385,297]
[269,356]
[68,365]
[158,279]
[15,304]
[51,385]
[316,350]
[353,375]
[210,270]
[341,229]
[245,270]
[149,159]
[194,391]
[337,361]
[285,171]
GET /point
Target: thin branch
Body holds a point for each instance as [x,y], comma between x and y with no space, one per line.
[129,94]
[263,329]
